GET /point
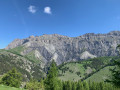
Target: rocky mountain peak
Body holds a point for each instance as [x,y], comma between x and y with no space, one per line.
[32,36]
[63,48]
[116,33]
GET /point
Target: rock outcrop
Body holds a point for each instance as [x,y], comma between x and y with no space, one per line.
[63,48]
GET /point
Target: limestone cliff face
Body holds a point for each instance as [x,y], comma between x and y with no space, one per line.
[63,48]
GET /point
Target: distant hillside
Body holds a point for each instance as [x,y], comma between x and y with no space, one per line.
[101,75]
[96,69]
[23,64]
[64,49]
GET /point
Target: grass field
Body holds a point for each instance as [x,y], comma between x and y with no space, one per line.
[70,74]
[75,71]
[17,50]
[101,75]
[3,87]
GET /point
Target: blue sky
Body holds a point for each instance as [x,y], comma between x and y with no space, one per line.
[23,18]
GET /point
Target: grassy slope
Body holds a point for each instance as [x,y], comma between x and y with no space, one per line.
[30,56]
[69,76]
[8,61]
[68,71]
[17,50]
[101,75]
[3,87]
[74,67]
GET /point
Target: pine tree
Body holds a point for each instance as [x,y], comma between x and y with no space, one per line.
[115,79]
[60,85]
[93,86]
[68,86]
[86,85]
[51,82]
[64,85]
[73,85]
[80,85]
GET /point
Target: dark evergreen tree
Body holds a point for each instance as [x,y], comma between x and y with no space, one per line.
[68,85]
[80,85]
[86,85]
[52,82]
[115,78]
[93,86]
[60,83]
[73,85]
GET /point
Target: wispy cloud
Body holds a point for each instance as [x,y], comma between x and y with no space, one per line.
[32,9]
[47,10]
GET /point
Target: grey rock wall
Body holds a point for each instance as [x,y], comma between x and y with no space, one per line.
[63,48]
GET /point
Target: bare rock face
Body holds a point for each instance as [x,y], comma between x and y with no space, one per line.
[86,55]
[63,48]
[15,43]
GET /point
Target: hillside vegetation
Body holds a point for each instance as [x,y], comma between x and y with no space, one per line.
[10,59]
[101,75]
[75,71]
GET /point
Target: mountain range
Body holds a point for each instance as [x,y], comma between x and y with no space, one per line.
[64,49]
[77,57]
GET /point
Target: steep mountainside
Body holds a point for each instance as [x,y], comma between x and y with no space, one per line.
[9,60]
[63,49]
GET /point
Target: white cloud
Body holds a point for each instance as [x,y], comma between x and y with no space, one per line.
[47,10]
[32,9]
